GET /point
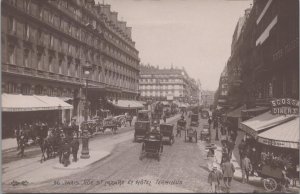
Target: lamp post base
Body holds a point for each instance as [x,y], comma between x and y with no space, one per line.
[85,147]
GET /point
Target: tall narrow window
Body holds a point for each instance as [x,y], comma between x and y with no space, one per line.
[26,57]
[12,55]
[60,66]
[39,60]
[12,25]
[26,32]
[50,64]
[76,70]
[51,41]
[68,70]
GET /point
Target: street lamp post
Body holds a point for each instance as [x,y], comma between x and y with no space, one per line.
[85,137]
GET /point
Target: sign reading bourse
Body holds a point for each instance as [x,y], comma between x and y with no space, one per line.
[285,106]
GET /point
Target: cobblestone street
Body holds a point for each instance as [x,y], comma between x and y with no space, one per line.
[183,168]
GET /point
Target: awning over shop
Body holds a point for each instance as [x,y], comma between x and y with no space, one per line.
[283,135]
[54,102]
[263,121]
[19,103]
[236,113]
[127,104]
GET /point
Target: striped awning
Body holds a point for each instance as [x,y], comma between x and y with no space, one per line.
[283,135]
[262,122]
[20,103]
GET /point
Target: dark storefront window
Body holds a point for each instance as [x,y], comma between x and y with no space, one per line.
[38,90]
[25,89]
[11,88]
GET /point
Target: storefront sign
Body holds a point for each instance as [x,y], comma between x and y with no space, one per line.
[285,106]
[278,143]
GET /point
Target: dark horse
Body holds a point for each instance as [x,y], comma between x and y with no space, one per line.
[50,145]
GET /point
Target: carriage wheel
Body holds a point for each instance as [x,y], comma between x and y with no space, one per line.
[270,184]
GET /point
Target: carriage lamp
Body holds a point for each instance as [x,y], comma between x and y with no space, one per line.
[85,137]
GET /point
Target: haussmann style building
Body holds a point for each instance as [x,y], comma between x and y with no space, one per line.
[49,49]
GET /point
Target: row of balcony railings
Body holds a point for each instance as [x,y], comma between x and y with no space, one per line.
[56,76]
[75,36]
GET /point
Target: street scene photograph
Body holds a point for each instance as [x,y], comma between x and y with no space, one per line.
[150,96]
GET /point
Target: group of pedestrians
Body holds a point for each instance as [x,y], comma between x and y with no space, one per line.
[216,176]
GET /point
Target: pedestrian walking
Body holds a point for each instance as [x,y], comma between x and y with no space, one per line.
[66,151]
[241,148]
[214,179]
[75,148]
[224,153]
[17,135]
[22,144]
[228,171]
[209,122]
[246,168]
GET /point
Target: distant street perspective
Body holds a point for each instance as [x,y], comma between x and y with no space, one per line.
[126,96]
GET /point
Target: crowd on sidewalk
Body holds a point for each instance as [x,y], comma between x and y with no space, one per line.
[249,161]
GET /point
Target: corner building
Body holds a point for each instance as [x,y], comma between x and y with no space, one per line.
[167,84]
[46,45]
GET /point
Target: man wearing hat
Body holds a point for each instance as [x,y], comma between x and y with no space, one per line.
[214,178]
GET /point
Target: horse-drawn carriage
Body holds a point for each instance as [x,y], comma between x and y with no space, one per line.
[142,125]
[152,146]
[195,120]
[272,177]
[204,134]
[181,126]
[191,133]
[110,123]
[166,131]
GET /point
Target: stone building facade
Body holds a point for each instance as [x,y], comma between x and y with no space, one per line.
[166,84]
[46,45]
[264,62]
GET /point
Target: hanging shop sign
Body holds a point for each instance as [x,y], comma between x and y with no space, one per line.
[285,106]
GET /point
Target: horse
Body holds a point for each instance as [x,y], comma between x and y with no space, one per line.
[51,145]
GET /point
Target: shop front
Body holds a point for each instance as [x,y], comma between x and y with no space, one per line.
[18,110]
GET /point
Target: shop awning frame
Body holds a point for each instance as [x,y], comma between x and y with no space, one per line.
[23,103]
[262,122]
[284,135]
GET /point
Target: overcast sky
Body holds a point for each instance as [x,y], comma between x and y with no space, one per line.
[194,34]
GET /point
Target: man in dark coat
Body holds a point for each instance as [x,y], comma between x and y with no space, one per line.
[22,144]
[75,148]
[66,151]
[228,171]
